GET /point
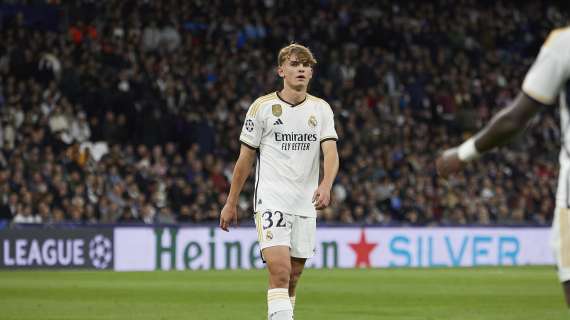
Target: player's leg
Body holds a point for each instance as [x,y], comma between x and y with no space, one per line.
[297,266]
[566,286]
[303,230]
[274,236]
[279,266]
[561,244]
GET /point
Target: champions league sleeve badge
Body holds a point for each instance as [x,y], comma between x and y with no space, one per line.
[249,125]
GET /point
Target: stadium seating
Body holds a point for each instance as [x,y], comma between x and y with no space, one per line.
[130,111]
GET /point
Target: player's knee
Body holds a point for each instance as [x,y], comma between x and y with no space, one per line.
[295,275]
[280,280]
[280,276]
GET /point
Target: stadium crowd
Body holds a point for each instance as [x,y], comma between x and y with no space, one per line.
[130,111]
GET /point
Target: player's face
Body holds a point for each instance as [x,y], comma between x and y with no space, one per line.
[295,73]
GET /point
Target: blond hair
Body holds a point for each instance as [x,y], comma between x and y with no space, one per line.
[303,54]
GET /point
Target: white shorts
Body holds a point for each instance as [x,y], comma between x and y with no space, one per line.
[560,241]
[275,228]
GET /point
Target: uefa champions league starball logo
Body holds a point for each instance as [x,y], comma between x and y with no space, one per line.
[249,125]
[100,251]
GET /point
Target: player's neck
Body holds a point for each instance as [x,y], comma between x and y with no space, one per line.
[293,96]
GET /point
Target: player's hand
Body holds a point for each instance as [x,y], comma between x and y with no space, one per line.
[448,163]
[322,197]
[228,216]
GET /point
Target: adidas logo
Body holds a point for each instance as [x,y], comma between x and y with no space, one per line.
[278,122]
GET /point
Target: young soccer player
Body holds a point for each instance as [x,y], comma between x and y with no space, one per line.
[284,132]
[547,80]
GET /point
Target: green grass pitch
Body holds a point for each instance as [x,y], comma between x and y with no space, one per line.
[515,293]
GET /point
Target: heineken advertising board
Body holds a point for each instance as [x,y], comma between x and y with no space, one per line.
[201,248]
[346,247]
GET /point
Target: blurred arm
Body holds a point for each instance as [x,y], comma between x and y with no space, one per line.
[501,129]
[507,123]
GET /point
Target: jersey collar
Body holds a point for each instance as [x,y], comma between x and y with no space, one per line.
[292,104]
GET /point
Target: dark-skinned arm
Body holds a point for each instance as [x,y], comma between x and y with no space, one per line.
[507,123]
[504,126]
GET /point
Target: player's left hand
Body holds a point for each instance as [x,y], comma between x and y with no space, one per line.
[322,197]
[448,163]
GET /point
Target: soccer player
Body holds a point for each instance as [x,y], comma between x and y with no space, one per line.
[547,79]
[285,132]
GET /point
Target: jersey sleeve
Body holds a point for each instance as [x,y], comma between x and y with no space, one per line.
[253,127]
[549,72]
[328,131]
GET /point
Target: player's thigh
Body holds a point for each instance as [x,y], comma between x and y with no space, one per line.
[277,258]
[303,233]
[560,242]
[278,265]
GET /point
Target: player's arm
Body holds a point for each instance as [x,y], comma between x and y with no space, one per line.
[322,196]
[508,123]
[541,86]
[250,139]
[242,169]
[501,129]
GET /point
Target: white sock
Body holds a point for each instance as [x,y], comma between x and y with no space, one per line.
[292,302]
[278,304]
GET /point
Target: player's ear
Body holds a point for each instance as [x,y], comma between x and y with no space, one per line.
[280,72]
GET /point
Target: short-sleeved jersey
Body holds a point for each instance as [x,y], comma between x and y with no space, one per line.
[288,141]
[547,80]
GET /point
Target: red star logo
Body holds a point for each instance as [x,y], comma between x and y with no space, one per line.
[362,250]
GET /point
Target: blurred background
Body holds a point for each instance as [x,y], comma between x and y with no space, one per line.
[130,111]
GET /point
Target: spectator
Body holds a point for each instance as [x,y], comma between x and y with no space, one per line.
[24,215]
[9,210]
[167,99]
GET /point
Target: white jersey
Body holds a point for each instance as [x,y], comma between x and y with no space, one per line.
[547,80]
[288,140]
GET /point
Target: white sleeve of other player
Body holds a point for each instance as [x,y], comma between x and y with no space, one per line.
[327,129]
[550,69]
[253,126]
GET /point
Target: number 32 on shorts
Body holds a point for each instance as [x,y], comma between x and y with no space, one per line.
[273,218]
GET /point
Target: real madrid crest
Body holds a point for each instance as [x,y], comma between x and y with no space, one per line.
[269,235]
[276,109]
[312,121]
